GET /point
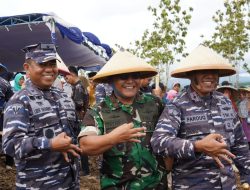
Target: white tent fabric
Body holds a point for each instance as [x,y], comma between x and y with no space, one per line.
[22,30]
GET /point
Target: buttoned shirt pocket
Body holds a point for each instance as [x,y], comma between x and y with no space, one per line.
[44,118]
[69,106]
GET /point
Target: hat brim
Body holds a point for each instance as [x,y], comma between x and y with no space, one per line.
[184,73]
[106,78]
[234,92]
[48,59]
[244,89]
[221,88]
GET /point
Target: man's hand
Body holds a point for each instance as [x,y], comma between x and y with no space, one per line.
[62,143]
[126,132]
[213,145]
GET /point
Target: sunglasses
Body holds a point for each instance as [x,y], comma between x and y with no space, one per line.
[128,75]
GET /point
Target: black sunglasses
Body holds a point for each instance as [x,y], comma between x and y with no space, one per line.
[126,76]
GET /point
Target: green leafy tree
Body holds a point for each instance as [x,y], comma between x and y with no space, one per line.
[232,37]
[165,41]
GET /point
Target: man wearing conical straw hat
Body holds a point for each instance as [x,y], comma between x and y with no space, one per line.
[120,127]
[200,129]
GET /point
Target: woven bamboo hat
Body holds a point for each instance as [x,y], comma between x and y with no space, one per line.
[244,89]
[203,58]
[124,62]
[226,85]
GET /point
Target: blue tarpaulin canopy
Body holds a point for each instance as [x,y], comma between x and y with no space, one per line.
[73,46]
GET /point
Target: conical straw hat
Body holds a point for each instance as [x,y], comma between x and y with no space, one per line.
[244,89]
[234,91]
[203,58]
[124,62]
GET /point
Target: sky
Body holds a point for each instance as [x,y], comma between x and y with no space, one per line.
[117,21]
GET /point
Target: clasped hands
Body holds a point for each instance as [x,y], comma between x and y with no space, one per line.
[214,145]
[62,143]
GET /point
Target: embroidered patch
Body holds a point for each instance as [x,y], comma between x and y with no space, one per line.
[195,118]
[16,108]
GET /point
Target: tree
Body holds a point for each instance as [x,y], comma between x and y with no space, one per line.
[232,37]
[165,42]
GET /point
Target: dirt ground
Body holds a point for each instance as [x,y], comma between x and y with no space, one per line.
[91,182]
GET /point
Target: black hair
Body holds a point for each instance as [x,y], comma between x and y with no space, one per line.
[73,69]
[91,74]
[226,83]
[161,85]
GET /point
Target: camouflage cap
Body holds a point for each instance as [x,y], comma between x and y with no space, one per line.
[124,62]
[203,58]
[41,53]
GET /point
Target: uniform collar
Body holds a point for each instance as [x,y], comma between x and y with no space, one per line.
[113,103]
[195,96]
[34,90]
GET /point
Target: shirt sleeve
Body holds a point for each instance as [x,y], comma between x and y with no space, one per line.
[165,141]
[16,140]
[92,124]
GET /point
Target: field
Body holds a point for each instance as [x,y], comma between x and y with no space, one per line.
[91,182]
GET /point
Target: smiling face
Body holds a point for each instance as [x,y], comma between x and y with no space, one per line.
[126,87]
[42,75]
[204,81]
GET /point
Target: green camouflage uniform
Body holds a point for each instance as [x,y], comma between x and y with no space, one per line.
[128,165]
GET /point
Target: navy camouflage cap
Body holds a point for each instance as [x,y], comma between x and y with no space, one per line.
[41,52]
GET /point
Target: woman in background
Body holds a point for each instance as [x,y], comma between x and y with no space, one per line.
[18,82]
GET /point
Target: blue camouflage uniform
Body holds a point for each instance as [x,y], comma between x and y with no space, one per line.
[5,94]
[32,117]
[189,118]
[101,91]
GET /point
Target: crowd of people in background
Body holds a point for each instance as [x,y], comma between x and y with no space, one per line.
[94,108]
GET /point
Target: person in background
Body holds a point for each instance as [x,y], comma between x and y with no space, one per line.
[79,93]
[243,111]
[230,92]
[174,91]
[101,91]
[39,128]
[200,130]
[66,87]
[145,87]
[81,98]
[91,89]
[248,119]
[18,82]
[117,126]
[58,83]
[5,94]
[160,92]
[8,76]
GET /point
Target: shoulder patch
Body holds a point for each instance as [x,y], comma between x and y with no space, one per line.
[16,107]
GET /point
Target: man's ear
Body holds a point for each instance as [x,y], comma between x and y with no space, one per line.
[26,67]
